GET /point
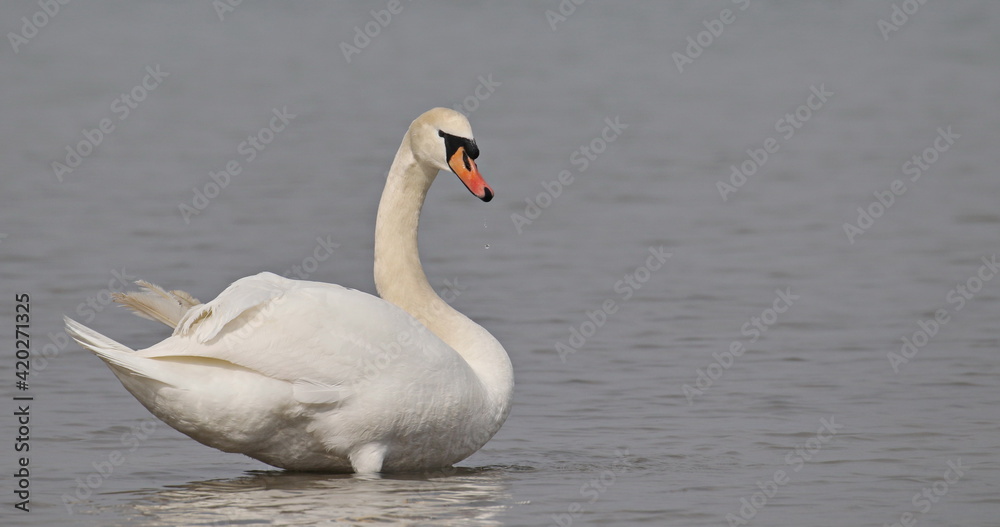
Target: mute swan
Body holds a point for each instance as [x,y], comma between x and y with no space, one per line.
[317,377]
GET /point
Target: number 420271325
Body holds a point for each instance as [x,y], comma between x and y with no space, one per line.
[22,338]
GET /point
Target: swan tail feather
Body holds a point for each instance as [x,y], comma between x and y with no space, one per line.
[156,303]
[116,355]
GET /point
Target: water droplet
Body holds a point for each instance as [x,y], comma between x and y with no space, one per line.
[487,246]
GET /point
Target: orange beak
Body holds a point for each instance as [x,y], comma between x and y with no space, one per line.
[465,168]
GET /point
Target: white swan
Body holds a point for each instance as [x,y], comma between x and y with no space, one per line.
[318,377]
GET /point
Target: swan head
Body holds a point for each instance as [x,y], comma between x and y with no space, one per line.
[442,138]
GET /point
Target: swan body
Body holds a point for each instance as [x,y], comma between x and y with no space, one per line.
[318,377]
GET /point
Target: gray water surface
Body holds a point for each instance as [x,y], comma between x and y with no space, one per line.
[756,374]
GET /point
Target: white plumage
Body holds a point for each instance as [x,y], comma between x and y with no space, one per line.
[314,376]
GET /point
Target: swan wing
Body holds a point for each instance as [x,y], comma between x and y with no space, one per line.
[328,341]
[206,321]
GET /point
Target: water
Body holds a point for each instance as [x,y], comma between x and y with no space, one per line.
[810,425]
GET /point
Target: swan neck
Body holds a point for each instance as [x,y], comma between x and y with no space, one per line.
[399,275]
[400,278]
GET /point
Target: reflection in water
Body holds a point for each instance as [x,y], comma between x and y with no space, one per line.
[452,496]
